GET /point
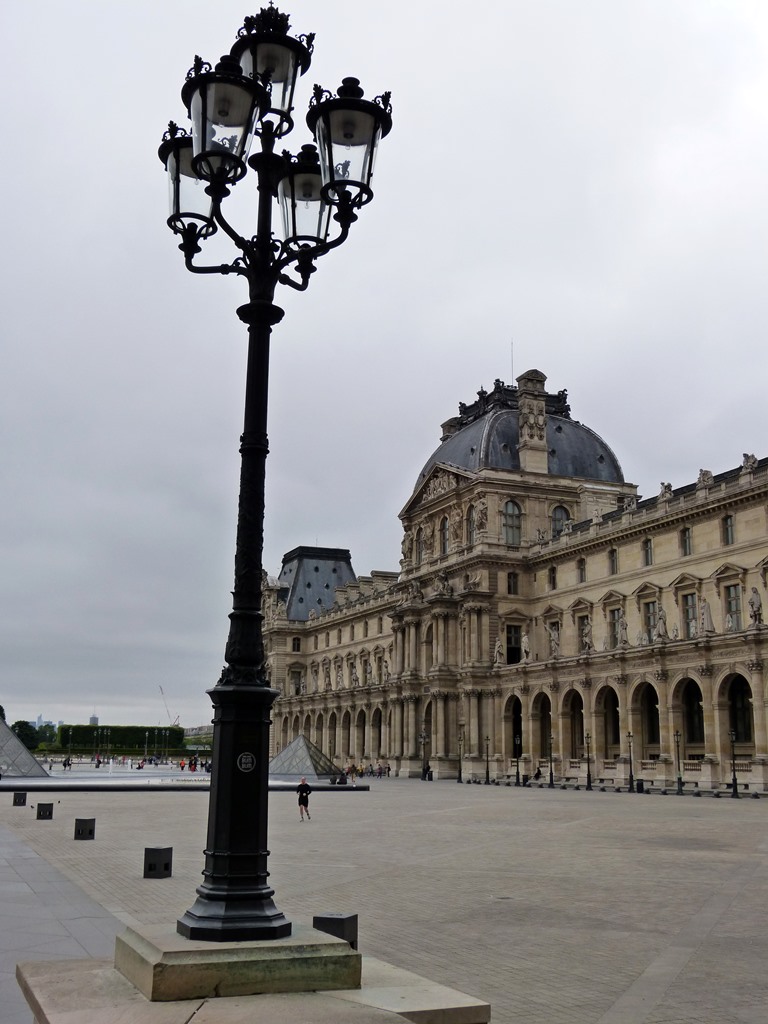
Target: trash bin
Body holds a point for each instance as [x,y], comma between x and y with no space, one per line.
[430,776]
[525,779]
[639,786]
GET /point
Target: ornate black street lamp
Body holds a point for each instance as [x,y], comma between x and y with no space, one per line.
[678,737]
[631,774]
[487,762]
[459,777]
[734,782]
[423,742]
[551,766]
[146,741]
[109,742]
[587,738]
[70,742]
[248,94]
[518,741]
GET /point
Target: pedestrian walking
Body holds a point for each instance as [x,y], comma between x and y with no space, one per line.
[303,789]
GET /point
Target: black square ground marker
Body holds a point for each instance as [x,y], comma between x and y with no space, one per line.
[158,861]
[45,811]
[19,799]
[85,828]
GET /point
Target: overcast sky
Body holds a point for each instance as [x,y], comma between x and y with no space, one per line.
[586,178]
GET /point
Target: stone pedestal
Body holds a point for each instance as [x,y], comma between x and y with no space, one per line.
[709,778]
[165,966]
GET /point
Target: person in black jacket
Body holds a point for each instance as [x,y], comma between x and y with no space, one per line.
[303,790]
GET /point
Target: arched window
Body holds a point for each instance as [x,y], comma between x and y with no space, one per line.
[444,535]
[740,700]
[512,519]
[560,516]
[470,526]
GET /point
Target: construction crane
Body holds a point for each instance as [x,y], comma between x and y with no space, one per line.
[173,721]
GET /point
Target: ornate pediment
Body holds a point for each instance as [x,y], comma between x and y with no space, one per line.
[441,480]
[729,573]
[611,598]
[580,608]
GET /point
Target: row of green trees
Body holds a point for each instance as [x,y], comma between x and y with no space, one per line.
[89,739]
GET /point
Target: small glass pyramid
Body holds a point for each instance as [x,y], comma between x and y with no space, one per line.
[15,760]
[302,757]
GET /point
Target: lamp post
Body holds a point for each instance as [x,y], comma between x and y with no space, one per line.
[518,740]
[551,767]
[487,762]
[734,783]
[423,742]
[247,95]
[631,775]
[587,739]
[459,777]
[678,737]
[70,742]
[109,742]
[146,741]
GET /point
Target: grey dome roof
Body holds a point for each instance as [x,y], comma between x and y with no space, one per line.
[486,434]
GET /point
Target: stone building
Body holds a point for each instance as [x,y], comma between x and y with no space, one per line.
[540,607]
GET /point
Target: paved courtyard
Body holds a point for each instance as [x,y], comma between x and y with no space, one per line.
[555,906]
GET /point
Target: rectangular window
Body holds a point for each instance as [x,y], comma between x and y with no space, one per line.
[690,616]
[514,650]
[327,639]
[728,536]
[296,644]
[553,577]
[613,562]
[351,631]
[733,605]
[581,570]
[314,642]
[647,551]
[686,541]
[614,615]
[649,619]
[296,683]
[513,583]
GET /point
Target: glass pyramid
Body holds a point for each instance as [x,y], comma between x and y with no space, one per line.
[16,762]
[302,757]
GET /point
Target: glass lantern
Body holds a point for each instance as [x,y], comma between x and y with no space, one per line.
[190,206]
[306,214]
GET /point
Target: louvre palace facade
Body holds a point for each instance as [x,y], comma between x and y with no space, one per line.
[540,608]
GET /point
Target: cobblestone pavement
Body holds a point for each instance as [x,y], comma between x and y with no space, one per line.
[555,906]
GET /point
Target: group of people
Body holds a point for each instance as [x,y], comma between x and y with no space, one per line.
[379,771]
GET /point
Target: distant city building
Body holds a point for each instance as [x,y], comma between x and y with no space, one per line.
[93,720]
[539,602]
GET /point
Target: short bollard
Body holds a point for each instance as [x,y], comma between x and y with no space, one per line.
[19,799]
[85,828]
[44,812]
[341,926]
[158,861]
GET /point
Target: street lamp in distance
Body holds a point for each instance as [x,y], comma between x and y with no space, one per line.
[459,777]
[518,741]
[734,781]
[631,773]
[678,737]
[487,761]
[587,738]
[551,766]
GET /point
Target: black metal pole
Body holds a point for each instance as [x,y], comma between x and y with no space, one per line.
[517,760]
[487,762]
[459,777]
[587,738]
[734,782]
[631,774]
[551,768]
[679,772]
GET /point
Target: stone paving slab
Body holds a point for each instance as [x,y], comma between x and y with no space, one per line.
[555,906]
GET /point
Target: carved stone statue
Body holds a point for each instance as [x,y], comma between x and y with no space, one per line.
[442,586]
[662,635]
[749,462]
[499,656]
[456,526]
[675,632]
[471,582]
[729,623]
[586,637]
[355,677]
[525,647]
[339,679]
[623,641]
[707,625]
[706,478]
[755,608]
[481,520]
[407,545]
[666,490]
[630,503]
[554,641]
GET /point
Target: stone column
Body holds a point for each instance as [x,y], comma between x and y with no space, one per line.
[758,707]
[472,732]
[411,741]
[439,741]
[385,711]
[399,633]
[413,650]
